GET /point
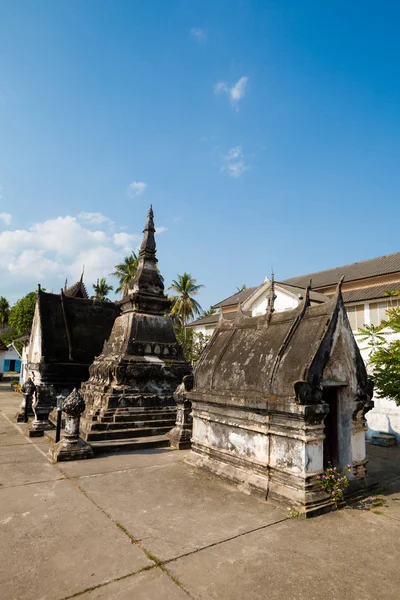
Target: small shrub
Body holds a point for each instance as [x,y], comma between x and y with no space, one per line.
[334,483]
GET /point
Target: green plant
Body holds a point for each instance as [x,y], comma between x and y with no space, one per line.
[21,314]
[4,311]
[102,289]
[385,361]
[184,306]
[125,272]
[334,483]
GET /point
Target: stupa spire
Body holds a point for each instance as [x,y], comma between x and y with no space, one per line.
[147,289]
[148,245]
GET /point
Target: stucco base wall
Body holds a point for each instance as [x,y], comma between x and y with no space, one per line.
[384,418]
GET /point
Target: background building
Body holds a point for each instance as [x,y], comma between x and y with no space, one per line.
[369,289]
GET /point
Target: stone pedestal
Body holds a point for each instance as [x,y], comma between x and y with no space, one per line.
[71,446]
[25,408]
[41,410]
[180,436]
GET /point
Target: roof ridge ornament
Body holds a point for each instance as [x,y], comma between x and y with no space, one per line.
[271,298]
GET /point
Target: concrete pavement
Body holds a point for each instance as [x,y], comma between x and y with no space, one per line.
[146,526]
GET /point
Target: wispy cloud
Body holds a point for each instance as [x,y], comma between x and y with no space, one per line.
[198,34]
[161,229]
[234,162]
[234,92]
[6,218]
[95,218]
[136,188]
[126,240]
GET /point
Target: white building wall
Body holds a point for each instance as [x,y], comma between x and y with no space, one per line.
[385,416]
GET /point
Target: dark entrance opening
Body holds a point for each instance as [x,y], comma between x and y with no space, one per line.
[331,441]
[12,365]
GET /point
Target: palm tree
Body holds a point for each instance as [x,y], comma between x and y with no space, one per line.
[243,287]
[102,289]
[184,306]
[4,311]
[125,272]
[208,313]
[392,294]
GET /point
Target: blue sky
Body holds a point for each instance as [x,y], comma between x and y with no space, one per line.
[266,134]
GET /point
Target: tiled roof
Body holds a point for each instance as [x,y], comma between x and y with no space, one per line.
[371,293]
[236,298]
[78,290]
[213,319]
[382,265]
[295,289]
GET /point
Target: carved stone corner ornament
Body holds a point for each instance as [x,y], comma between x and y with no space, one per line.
[71,446]
[41,410]
[25,410]
[180,435]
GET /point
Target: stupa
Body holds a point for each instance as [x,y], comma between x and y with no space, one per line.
[129,394]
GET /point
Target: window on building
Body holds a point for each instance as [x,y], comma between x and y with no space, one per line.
[356,316]
[378,310]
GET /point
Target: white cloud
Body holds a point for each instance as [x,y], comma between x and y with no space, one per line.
[127,241]
[234,162]
[235,92]
[136,188]
[198,34]
[161,229]
[96,218]
[55,249]
[5,217]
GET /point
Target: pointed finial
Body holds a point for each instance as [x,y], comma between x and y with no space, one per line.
[83,271]
[307,293]
[150,220]
[65,284]
[271,298]
[339,285]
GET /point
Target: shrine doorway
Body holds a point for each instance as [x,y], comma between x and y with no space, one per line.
[331,396]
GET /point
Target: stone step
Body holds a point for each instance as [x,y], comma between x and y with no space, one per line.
[384,439]
[107,446]
[112,426]
[140,416]
[136,432]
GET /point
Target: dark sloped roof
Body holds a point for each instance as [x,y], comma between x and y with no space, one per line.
[382,265]
[74,328]
[299,291]
[3,347]
[371,293]
[78,290]
[213,319]
[236,298]
[271,356]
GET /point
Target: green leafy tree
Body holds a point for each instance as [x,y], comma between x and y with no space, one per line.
[4,311]
[208,313]
[125,273]
[21,314]
[372,335]
[392,294]
[102,289]
[184,306]
[193,343]
[385,361]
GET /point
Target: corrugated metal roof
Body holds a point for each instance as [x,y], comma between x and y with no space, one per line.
[382,265]
[236,298]
[371,293]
